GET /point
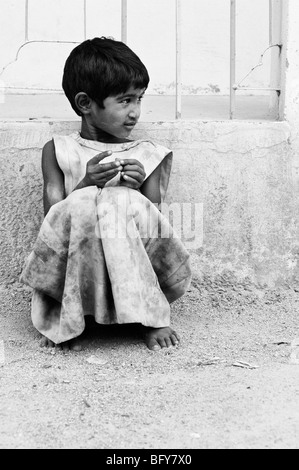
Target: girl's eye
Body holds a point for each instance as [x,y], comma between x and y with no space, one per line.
[128,100]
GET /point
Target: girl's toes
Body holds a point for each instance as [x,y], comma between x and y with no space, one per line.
[46,343]
[76,347]
[153,345]
[174,340]
[43,342]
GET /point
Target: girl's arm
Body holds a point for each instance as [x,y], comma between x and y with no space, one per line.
[54,190]
[151,186]
[53,177]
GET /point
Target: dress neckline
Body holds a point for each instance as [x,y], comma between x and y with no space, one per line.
[96,145]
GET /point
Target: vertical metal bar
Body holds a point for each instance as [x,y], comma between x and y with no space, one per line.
[26,20]
[275,24]
[124,21]
[270,22]
[85,18]
[285,83]
[232,92]
[178,81]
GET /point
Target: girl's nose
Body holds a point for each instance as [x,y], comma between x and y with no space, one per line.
[134,112]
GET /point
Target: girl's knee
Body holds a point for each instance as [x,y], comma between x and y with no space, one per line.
[80,204]
[178,284]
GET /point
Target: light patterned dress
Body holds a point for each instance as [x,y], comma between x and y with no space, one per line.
[105,252]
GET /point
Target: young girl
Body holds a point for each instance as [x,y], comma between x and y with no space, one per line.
[102,249]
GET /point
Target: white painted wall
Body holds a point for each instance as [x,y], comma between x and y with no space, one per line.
[291,57]
[151,34]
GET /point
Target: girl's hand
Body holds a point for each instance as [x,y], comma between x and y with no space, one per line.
[99,174]
[132,174]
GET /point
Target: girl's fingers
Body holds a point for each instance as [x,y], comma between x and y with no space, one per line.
[134,171]
[137,169]
[100,179]
[105,167]
[100,157]
[129,179]
[132,161]
[132,176]
[106,174]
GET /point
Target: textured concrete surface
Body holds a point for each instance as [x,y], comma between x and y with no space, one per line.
[243,173]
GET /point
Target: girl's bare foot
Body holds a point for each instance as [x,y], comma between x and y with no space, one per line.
[66,346]
[158,338]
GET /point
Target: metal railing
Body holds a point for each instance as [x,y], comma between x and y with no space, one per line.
[124,21]
[178,55]
[178,80]
[275,10]
[275,14]
[275,7]
[42,41]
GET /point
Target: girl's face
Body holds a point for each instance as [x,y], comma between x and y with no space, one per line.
[119,116]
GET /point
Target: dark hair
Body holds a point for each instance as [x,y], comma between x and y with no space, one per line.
[102,67]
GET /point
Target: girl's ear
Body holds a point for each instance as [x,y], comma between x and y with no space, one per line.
[83,102]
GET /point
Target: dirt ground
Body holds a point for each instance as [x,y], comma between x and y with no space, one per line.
[229,385]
